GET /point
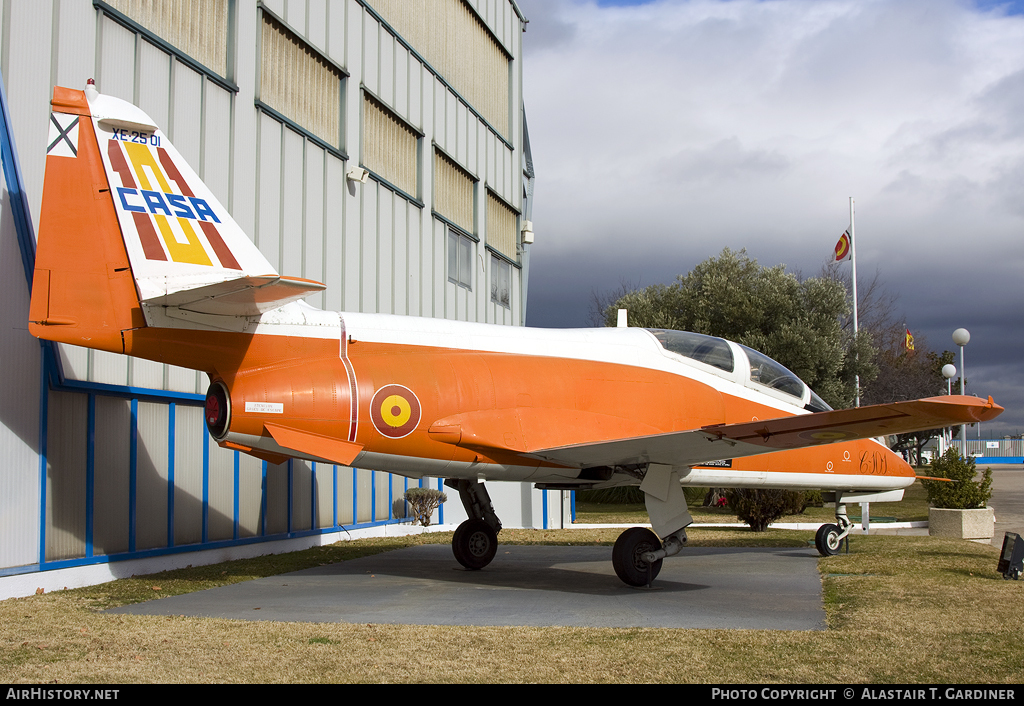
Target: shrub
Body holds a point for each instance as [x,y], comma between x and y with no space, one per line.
[812,498]
[964,492]
[760,507]
[423,502]
[632,495]
[617,495]
[694,495]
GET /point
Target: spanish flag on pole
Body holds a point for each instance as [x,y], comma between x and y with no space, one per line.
[910,341]
[844,247]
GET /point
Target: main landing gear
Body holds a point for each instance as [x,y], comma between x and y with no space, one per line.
[638,552]
[476,540]
[829,538]
[628,556]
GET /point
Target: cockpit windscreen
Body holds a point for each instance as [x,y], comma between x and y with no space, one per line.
[767,372]
[817,404]
[705,349]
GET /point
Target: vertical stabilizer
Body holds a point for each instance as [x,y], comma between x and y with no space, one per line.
[127,228]
[82,290]
[177,233]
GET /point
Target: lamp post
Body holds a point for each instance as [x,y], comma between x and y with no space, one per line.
[962,337]
[948,371]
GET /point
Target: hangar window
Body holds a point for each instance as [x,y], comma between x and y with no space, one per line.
[501,281]
[501,227]
[298,83]
[696,346]
[450,35]
[195,31]
[460,258]
[453,191]
[390,147]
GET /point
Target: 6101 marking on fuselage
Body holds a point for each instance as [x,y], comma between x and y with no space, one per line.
[873,463]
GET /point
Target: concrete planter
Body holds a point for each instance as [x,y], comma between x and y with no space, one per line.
[961,524]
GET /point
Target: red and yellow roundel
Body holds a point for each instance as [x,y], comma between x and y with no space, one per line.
[842,248]
[394,411]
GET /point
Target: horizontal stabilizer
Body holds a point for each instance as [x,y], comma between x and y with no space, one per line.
[306,444]
[244,296]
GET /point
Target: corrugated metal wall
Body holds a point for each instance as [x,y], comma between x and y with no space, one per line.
[463,49]
[127,464]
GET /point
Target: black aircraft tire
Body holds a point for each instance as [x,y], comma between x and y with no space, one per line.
[827,540]
[474,544]
[626,556]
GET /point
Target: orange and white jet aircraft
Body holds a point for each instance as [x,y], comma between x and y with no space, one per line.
[137,256]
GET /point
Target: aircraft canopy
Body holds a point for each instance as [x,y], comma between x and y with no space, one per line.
[718,353]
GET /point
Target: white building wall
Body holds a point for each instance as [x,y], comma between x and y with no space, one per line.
[151,478]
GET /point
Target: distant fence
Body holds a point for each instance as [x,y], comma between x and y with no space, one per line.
[995,450]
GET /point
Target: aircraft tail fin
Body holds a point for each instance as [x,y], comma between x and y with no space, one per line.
[127,225]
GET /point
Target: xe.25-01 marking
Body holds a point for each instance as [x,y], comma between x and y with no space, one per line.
[140,138]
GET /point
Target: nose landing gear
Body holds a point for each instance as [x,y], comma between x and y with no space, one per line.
[829,538]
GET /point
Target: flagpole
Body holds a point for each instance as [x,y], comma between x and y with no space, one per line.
[853,261]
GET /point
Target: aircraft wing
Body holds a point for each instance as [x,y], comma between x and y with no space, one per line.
[722,441]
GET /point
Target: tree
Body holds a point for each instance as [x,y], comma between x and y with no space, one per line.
[900,374]
[906,375]
[795,321]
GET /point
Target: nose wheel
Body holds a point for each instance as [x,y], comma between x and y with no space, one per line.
[829,538]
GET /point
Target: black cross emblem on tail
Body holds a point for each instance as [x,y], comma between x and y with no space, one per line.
[63,134]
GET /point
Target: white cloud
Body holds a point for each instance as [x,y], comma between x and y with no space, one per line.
[782,109]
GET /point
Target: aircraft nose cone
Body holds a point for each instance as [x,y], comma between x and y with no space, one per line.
[899,466]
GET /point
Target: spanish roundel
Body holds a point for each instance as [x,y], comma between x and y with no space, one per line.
[394,411]
[843,248]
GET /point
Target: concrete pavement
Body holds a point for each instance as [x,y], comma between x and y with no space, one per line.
[729,588]
[714,587]
[1007,500]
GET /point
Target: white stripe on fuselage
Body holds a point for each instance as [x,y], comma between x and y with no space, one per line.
[634,347]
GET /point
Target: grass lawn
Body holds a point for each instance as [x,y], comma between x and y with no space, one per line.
[899,609]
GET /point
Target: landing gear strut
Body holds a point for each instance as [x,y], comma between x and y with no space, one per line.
[829,538]
[638,552]
[476,540]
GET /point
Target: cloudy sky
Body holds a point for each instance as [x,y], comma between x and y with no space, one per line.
[665,131]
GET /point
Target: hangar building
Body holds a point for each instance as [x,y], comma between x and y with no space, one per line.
[378,146]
